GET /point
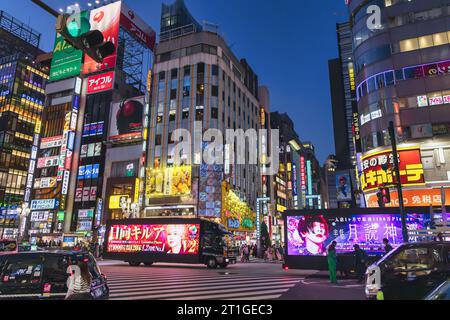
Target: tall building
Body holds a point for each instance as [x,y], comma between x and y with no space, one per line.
[17,37]
[200,84]
[22,100]
[343,95]
[92,151]
[402,76]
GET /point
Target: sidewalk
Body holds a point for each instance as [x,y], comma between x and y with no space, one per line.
[259,260]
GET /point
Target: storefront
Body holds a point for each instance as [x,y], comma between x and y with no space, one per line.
[121,194]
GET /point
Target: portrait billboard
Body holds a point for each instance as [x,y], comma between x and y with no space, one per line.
[310,235]
[172,239]
[343,187]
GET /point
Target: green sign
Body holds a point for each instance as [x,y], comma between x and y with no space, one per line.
[66,60]
[61,215]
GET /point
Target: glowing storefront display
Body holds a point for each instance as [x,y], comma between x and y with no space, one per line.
[172,239]
[236,214]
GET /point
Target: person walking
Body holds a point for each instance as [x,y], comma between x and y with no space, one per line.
[360,262]
[79,282]
[387,247]
[255,251]
[332,261]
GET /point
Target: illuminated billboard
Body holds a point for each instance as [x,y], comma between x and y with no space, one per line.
[105,19]
[170,239]
[310,235]
[236,214]
[135,25]
[127,120]
[412,198]
[175,181]
[410,165]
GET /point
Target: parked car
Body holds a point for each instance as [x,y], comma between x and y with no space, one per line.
[442,292]
[43,275]
[409,272]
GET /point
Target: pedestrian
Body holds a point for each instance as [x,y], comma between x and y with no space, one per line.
[255,251]
[79,282]
[246,253]
[332,261]
[360,262]
[387,247]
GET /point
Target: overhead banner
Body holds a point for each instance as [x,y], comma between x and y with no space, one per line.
[410,165]
[136,26]
[127,120]
[105,19]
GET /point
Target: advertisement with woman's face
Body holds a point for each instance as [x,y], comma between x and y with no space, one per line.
[169,239]
[311,234]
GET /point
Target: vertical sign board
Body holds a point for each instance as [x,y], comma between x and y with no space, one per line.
[105,19]
[135,25]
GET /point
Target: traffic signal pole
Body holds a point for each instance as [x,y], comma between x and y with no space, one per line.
[46,8]
[399,182]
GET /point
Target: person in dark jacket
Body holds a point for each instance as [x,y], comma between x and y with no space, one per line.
[387,247]
[360,262]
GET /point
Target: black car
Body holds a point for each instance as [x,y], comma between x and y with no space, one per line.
[43,275]
[409,272]
[442,292]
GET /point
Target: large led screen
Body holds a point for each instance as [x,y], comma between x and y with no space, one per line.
[310,235]
[163,238]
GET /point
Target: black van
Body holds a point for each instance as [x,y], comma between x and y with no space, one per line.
[409,272]
[43,275]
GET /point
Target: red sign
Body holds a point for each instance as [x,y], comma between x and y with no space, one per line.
[413,198]
[106,19]
[170,239]
[78,194]
[136,26]
[100,82]
[410,165]
[302,172]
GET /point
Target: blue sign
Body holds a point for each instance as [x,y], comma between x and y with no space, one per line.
[76,103]
[100,126]
[81,172]
[95,171]
[88,172]
[71,141]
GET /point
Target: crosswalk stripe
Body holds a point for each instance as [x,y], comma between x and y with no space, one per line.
[182,281]
[163,289]
[207,294]
[263,297]
[232,295]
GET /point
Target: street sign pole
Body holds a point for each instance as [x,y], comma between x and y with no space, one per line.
[398,182]
[46,8]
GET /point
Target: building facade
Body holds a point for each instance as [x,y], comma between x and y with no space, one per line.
[199,84]
[22,100]
[402,76]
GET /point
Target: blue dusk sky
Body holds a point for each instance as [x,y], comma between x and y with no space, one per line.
[287,42]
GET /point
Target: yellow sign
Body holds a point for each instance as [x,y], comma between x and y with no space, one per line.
[136,190]
[115,202]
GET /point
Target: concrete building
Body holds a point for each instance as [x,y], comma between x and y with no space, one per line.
[200,84]
[402,75]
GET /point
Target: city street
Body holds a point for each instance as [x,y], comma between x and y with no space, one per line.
[243,281]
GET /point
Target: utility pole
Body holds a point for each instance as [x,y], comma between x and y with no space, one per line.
[46,8]
[398,182]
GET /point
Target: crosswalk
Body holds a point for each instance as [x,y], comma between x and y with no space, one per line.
[156,284]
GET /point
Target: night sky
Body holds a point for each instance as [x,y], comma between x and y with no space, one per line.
[287,42]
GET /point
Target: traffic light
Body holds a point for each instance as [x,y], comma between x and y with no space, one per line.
[76,30]
[384,197]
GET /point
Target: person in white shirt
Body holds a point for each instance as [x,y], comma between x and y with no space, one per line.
[79,281]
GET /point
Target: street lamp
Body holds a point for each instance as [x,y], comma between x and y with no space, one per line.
[23,212]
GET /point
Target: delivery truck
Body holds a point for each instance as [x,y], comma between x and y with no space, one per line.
[308,234]
[171,240]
